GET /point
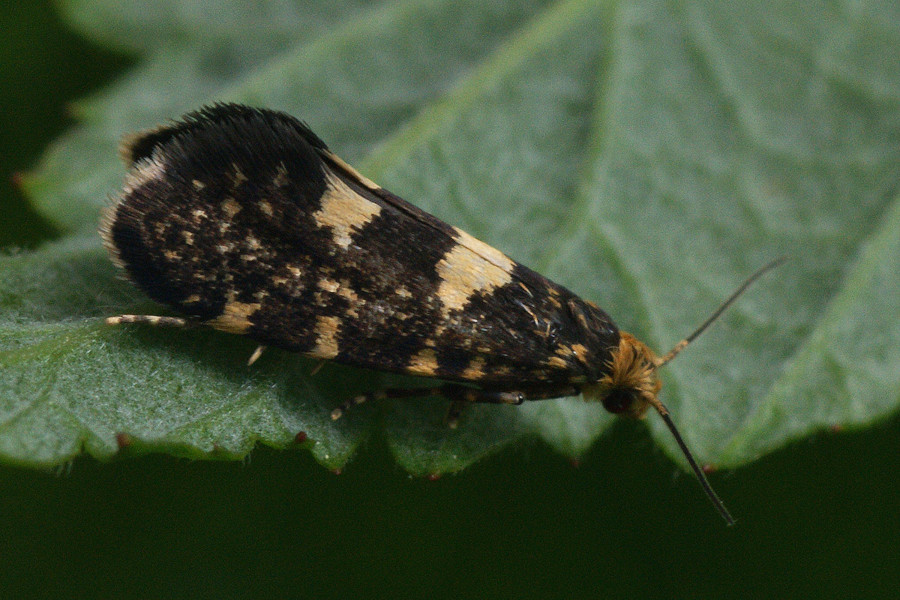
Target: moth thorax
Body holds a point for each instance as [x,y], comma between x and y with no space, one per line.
[631,384]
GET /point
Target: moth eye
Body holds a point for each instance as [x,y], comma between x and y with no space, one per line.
[618,401]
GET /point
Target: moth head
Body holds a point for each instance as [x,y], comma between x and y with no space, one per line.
[631,384]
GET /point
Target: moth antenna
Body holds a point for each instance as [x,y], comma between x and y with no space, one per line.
[710,492]
[716,314]
[664,412]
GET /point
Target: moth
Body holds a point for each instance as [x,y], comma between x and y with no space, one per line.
[241,219]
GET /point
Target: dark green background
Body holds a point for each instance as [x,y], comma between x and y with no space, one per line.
[819,519]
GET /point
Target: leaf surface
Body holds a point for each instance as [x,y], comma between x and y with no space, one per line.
[648,155]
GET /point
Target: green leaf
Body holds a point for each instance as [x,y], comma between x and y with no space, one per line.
[648,155]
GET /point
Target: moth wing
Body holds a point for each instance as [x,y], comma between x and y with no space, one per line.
[243,219]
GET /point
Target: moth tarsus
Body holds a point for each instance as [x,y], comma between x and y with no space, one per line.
[256,354]
[243,220]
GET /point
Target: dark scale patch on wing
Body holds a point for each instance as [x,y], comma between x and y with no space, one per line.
[245,189]
[141,145]
[214,226]
[392,270]
[142,227]
[380,287]
[523,330]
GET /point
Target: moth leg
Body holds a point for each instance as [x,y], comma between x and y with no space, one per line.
[460,393]
[550,391]
[511,396]
[150,320]
[454,412]
[390,393]
[256,354]
[461,396]
[456,393]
